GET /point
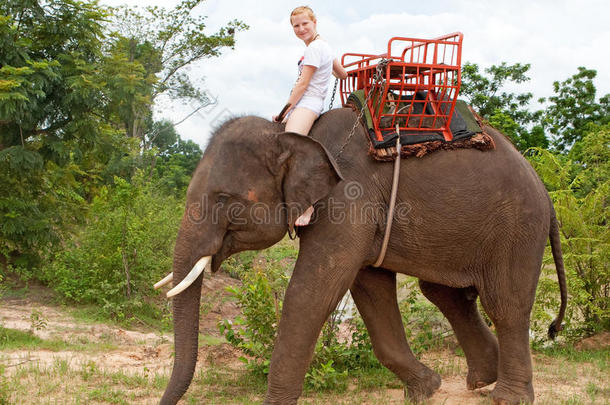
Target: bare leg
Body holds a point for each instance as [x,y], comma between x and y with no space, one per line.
[479,344]
[374,292]
[301,120]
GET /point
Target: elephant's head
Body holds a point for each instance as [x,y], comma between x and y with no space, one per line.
[251,185]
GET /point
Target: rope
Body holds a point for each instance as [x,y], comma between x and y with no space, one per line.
[388,227]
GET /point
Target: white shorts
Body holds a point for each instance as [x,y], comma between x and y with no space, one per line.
[313,103]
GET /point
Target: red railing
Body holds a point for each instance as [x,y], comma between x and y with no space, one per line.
[419,85]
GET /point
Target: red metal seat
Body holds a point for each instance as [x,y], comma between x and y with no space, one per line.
[419,86]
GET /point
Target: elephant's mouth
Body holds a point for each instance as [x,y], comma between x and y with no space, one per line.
[224,252]
[209,261]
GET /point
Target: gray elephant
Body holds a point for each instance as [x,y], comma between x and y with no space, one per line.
[471,224]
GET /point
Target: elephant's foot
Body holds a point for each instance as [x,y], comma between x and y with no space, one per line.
[502,395]
[481,376]
[423,386]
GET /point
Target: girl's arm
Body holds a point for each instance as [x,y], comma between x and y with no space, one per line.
[298,90]
[301,84]
[338,70]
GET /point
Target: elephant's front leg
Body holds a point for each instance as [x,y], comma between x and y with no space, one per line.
[374,292]
[317,284]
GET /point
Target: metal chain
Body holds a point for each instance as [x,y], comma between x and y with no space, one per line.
[377,77]
[332,99]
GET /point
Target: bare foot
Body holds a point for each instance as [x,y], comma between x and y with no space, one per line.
[305,218]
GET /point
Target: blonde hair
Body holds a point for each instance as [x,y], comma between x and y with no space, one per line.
[303,10]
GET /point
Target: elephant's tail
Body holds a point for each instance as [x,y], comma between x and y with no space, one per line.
[556,326]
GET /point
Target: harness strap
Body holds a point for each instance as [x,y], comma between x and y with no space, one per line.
[388,227]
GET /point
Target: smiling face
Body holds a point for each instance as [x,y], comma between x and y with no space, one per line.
[304,27]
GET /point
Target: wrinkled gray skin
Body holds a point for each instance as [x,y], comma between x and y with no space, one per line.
[468,224]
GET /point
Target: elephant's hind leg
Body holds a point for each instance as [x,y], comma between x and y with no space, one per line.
[374,292]
[509,310]
[480,345]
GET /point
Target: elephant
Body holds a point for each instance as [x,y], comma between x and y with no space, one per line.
[467,224]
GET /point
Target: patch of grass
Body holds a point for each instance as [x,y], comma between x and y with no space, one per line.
[160,381]
[449,366]
[12,339]
[285,249]
[597,357]
[130,381]
[220,385]
[36,384]
[4,387]
[593,391]
[61,367]
[13,292]
[108,394]
[374,378]
[209,340]
[149,316]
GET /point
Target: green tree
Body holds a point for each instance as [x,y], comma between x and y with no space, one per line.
[164,43]
[579,189]
[574,110]
[78,82]
[506,111]
[48,95]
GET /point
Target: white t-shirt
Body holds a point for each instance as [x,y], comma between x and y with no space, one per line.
[318,54]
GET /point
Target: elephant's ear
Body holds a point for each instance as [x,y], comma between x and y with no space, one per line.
[308,172]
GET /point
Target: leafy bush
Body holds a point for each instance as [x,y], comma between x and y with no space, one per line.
[125,247]
[260,298]
[579,186]
[425,325]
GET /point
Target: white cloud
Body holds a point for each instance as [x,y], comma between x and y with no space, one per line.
[554,36]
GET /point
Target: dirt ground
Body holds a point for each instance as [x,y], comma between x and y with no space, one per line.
[112,348]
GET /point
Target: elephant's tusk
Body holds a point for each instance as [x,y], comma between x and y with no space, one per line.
[166,280]
[192,276]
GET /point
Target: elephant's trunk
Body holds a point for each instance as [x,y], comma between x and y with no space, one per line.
[186,333]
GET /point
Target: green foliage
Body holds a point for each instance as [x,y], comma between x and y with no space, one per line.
[326,377]
[508,112]
[38,203]
[37,321]
[425,326]
[47,92]
[579,190]
[573,110]
[77,86]
[16,339]
[125,247]
[162,43]
[49,57]
[176,158]
[260,299]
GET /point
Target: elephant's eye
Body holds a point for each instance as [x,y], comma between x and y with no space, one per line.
[222,198]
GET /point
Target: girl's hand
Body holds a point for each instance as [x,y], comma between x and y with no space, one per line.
[282,114]
[338,70]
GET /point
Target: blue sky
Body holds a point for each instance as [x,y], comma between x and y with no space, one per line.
[554,36]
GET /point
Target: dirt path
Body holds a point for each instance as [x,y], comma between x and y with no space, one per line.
[146,353]
[109,347]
